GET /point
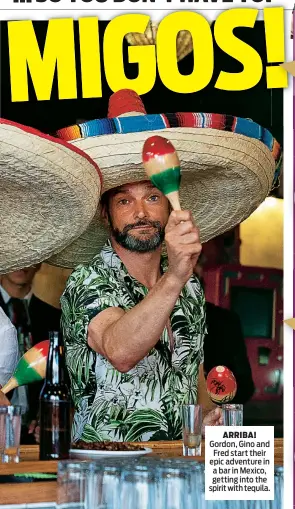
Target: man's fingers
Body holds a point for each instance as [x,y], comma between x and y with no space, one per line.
[177,216]
[181,230]
[32,427]
[190,238]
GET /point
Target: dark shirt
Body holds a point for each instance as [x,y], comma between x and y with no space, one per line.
[43,318]
[224,345]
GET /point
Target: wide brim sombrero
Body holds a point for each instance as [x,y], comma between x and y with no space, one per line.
[49,195]
[228,165]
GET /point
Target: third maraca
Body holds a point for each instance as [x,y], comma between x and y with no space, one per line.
[222,388]
[221,384]
[162,166]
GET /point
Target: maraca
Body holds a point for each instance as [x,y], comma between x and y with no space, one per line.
[30,368]
[162,166]
[221,384]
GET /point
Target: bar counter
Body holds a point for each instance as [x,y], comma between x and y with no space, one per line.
[42,492]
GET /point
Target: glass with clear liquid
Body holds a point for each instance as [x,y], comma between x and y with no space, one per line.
[10,428]
[232,415]
[191,429]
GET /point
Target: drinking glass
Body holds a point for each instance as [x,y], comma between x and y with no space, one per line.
[10,427]
[191,492]
[232,414]
[139,489]
[191,429]
[105,485]
[74,484]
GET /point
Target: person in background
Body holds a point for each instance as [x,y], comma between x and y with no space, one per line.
[224,345]
[33,319]
[38,226]
[25,310]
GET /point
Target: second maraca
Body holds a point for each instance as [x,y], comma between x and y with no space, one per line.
[30,368]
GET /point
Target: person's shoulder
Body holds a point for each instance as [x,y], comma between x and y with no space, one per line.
[223,318]
[221,312]
[36,304]
[88,281]
[84,273]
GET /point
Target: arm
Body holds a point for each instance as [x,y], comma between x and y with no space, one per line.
[8,357]
[124,338]
[8,352]
[113,332]
[3,399]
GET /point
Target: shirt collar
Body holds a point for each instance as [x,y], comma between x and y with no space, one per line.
[110,258]
[6,297]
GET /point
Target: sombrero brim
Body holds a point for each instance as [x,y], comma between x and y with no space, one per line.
[49,195]
[225,177]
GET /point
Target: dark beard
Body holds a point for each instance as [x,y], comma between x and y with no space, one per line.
[139,245]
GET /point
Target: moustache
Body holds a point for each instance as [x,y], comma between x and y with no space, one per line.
[154,224]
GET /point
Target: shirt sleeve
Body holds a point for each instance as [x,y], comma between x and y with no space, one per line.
[9,352]
[87,293]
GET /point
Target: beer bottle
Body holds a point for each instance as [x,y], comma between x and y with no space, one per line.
[55,405]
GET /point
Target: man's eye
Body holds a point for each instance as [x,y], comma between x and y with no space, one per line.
[154,197]
[123,201]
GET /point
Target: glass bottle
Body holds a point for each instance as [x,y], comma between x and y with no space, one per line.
[55,404]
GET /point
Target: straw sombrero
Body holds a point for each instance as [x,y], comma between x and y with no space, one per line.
[49,195]
[229,165]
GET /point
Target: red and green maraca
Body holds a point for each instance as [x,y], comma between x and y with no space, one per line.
[162,166]
[30,368]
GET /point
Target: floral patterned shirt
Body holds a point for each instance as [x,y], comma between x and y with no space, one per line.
[143,404]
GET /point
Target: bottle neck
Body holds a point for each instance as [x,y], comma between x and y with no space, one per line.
[56,366]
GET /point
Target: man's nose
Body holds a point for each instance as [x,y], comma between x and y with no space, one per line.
[140,210]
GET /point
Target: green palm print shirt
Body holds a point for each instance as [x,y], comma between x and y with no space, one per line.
[143,404]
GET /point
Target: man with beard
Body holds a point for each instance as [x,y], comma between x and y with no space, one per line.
[133,314]
[145,321]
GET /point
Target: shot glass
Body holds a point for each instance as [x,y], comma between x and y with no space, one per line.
[10,427]
[191,429]
[232,414]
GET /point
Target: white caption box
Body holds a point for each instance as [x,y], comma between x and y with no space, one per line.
[239,463]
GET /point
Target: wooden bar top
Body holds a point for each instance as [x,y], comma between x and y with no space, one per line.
[46,491]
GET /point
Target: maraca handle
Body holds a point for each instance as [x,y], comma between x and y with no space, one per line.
[11,384]
[174,200]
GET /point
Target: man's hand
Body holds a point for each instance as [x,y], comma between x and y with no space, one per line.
[213,418]
[3,399]
[183,245]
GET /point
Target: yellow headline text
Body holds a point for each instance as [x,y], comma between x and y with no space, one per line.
[59,54]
